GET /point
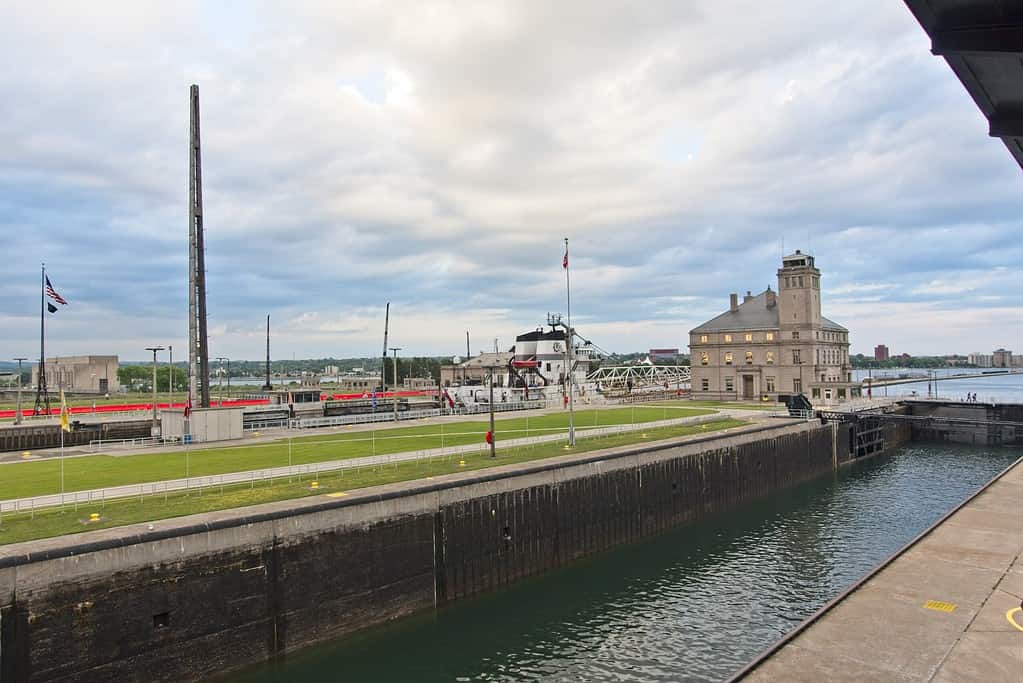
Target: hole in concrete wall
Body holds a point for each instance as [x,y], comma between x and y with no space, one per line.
[674,486]
[161,620]
[506,533]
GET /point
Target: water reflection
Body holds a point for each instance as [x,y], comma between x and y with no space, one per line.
[694,604]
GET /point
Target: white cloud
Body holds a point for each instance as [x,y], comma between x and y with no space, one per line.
[436,153]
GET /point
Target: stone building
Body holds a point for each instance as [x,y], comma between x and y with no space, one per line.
[774,344]
[80,374]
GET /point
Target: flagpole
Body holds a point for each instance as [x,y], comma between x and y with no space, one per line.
[41,375]
[570,339]
[62,462]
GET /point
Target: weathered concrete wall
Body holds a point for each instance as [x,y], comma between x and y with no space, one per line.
[202,595]
[999,432]
[26,437]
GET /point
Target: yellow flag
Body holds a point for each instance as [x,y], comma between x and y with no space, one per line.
[64,412]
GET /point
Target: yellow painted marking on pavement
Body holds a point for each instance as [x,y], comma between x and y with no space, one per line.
[339,494]
[939,606]
[1011,618]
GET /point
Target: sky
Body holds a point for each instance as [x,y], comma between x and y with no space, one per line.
[436,154]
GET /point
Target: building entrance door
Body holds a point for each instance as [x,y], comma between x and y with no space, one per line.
[747,386]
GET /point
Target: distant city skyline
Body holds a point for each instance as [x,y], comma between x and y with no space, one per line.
[435,157]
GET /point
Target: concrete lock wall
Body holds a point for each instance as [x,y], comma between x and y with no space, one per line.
[994,425]
[28,437]
[202,595]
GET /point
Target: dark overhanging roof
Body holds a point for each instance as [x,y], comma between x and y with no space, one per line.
[982,40]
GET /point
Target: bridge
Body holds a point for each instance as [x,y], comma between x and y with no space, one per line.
[641,376]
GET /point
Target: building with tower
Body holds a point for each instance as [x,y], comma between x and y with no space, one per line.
[774,344]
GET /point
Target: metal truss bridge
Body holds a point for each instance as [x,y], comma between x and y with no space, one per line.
[641,376]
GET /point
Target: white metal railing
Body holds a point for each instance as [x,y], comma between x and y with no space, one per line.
[138,442]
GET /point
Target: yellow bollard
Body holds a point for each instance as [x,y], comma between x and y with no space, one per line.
[461,463]
[26,454]
[315,485]
[94,517]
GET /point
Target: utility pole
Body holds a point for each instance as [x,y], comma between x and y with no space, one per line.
[395,350]
[220,381]
[170,375]
[154,349]
[383,363]
[17,418]
[493,437]
[198,347]
[268,386]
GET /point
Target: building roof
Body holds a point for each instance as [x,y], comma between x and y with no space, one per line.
[754,314]
[489,359]
[983,44]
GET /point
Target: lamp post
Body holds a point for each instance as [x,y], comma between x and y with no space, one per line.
[154,349]
[220,381]
[170,374]
[493,437]
[17,418]
[394,351]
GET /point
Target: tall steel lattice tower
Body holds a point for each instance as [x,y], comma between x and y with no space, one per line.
[198,353]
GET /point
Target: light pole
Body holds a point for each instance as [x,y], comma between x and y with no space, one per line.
[493,437]
[17,418]
[170,374]
[394,350]
[220,381]
[154,349]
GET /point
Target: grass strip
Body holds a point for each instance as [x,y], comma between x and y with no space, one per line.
[26,526]
[40,477]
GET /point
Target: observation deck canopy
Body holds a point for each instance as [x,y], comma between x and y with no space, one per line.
[982,40]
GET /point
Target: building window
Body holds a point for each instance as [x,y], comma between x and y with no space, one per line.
[800,280]
[705,384]
[795,334]
[749,358]
[769,336]
[728,338]
[704,358]
[816,392]
[841,393]
[703,339]
[749,337]
[797,386]
[795,357]
[770,385]
[548,367]
[770,357]
[729,384]
[728,357]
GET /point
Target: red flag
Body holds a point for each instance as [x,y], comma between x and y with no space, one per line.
[188,406]
[564,261]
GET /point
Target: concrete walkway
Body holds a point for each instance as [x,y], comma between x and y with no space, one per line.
[260,475]
[947,609]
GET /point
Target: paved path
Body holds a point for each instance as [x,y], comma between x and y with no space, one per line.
[160,487]
[947,609]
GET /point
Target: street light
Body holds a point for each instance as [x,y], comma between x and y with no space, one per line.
[493,437]
[170,375]
[395,350]
[220,381]
[154,349]
[17,418]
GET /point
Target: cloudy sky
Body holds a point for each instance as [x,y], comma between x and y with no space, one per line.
[435,155]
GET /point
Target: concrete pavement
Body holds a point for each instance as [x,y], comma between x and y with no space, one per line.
[946,609]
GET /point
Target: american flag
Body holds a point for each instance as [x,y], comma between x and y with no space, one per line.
[52,293]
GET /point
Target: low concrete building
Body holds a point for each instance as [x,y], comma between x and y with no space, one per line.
[774,344]
[80,374]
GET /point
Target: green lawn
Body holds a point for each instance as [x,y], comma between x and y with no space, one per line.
[738,405]
[70,520]
[40,477]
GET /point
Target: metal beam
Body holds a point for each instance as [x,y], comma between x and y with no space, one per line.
[1006,126]
[989,40]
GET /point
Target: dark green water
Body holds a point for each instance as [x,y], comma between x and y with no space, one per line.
[695,604]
